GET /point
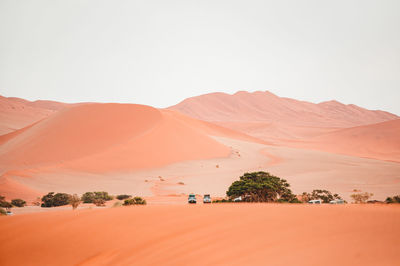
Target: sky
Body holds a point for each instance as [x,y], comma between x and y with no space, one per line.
[160,52]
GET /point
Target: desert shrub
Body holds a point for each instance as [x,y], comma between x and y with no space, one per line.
[123,196]
[75,200]
[395,199]
[54,200]
[6,204]
[260,187]
[361,197]
[135,201]
[88,197]
[99,202]
[3,211]
[222,200]
[320,194]
[18,202]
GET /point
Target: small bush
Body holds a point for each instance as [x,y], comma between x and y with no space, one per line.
[181,183]
[2,212]
[75,201]
[88,197]
[395,199]
[18,202]
[99,202]
[6,204]
[361,197]
[135,201]
[222,201]
[123,196]
[55,200]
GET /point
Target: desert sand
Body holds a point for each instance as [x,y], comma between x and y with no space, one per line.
[329,126]
[163,154]
[16,113]
[218,234]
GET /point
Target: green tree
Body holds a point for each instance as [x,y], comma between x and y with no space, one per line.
[260,187]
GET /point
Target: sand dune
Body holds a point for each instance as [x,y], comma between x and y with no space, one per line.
[266,107]
[379,141]
[104,137]
[16,113]
[329,126]
[224,234]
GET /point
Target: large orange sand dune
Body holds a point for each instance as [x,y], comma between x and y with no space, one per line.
[225,234]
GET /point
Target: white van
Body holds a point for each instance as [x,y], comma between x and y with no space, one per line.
[315,202]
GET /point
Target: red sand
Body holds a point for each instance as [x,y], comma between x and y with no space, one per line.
[104,137]
[266,107]
[328,126]
[380,141]
[16,113]
[225,234]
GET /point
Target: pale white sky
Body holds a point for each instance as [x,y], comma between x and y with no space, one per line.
[160,52]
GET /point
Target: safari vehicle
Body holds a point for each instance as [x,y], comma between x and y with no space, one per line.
[315,202]
[192,198]
[206,198]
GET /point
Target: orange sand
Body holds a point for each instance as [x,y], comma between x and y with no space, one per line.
[16,113]
[225,234]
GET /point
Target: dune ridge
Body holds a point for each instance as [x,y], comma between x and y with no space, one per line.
[16,113]
[263,106]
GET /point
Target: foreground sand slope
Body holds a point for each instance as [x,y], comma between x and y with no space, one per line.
[241,234]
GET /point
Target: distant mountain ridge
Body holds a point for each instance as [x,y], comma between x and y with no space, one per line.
[264,106]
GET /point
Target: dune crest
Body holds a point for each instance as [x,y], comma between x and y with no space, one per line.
[105,137]
[16,113]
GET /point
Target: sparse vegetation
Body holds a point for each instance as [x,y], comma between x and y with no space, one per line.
[99,202]
[75,201]
[54,200]
[89,197]
[361,197]
[2,212]
[261,187]
[4,203]
[135,201]
[181,183]
[395,199]
[18,202]
[123,196]
[320,194]
[222,200]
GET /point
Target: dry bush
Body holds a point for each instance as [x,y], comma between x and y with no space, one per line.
[361,197]
[99,202]
[75,201]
